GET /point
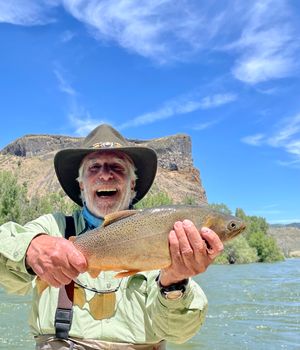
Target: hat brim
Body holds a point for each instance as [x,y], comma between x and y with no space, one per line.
[67,163]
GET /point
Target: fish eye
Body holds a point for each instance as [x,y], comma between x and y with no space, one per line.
[232,225]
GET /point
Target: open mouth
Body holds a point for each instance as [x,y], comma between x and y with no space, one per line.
[106,193]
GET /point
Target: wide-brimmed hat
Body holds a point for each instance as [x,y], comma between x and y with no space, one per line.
[104,137]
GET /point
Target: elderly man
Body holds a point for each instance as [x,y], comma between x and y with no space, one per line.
[142,311]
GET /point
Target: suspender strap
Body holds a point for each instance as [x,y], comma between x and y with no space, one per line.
[64,311]
[70,227]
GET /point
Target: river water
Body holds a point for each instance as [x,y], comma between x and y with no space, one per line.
[254,306]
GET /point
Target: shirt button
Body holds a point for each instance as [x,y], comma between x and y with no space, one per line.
[16,254]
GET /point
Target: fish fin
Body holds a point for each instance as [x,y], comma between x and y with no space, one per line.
[94,273]
[118,215]
[209,222]
[40,285]
[79,296]
[126,273]
[72,239]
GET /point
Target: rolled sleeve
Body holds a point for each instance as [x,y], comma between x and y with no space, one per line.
[179,320]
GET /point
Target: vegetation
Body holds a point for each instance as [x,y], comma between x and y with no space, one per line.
[16,206]
[255,245]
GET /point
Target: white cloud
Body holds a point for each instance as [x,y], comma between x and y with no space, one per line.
[286,135]
[64,86]
[26,12]
[180,105]
[254,140]
[204,126]
[67,36]
[217,100]
[154,29]
[82,123]
[261,34]
[268,46]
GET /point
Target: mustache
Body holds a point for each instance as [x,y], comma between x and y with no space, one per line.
[107,183]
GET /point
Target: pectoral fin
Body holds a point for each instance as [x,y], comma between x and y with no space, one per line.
[94,273]
[126,273]
[40,285]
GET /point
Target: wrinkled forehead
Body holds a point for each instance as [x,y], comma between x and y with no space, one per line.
[107,156]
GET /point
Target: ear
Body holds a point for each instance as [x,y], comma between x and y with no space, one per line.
[132,185]
[81,186]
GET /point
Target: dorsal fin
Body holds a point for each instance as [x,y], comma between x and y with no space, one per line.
[118,215]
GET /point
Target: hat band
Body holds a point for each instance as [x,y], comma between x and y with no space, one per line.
[100,145]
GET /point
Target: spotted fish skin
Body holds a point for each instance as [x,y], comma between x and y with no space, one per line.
[137,240]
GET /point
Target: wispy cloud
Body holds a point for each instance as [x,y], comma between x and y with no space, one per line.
[83,123]
[254,140]
[261,36]
[67,36]
[286,135]
[205,125]
[268,46]
[154,29]
[26,12]
[181,105]
[63,84]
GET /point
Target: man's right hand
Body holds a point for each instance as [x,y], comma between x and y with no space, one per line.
[55,260]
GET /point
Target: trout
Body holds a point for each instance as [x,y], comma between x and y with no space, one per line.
[130,241]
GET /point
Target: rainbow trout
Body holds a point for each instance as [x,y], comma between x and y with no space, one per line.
[137,240]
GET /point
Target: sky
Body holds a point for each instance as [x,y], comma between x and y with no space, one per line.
[224,72]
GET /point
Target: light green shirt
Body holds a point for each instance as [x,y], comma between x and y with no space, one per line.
[139,314]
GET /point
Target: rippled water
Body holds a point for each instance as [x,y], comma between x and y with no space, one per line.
[255,306]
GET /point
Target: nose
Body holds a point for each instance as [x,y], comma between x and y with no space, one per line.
[105,172]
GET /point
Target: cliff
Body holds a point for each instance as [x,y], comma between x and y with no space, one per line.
[287,237]
[31,159]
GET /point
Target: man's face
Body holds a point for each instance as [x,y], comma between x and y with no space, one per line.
[106,183]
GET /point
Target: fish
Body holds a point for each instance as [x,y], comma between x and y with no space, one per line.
[131,241]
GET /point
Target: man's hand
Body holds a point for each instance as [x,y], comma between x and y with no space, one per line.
[55,260]
[190,254]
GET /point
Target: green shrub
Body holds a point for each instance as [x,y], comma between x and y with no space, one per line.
[154,200]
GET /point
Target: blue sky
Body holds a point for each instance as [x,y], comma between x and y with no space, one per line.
[224,72]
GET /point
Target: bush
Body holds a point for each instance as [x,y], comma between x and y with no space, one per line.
[266,247]
[13,198]
[237,251]
[154,200]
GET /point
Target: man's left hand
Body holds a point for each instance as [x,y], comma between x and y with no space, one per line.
[190,254]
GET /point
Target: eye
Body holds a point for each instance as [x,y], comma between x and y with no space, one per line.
[117,168]
[94,167]
[232,225]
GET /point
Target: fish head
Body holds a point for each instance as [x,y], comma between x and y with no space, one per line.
[225,226]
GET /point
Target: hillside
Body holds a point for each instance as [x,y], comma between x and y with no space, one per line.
[31,159]
[288,238]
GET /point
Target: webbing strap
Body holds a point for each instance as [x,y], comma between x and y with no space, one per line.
[64,311]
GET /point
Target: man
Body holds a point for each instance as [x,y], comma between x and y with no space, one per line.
[105,175]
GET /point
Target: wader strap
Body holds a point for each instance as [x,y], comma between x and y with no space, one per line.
[64,311]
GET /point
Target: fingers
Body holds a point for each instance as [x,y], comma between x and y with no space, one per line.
[55,260]
[191,251]
[214,242]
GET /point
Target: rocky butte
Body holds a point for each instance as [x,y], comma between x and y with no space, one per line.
[31,159]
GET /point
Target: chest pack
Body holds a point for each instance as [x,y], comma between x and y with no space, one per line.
[64,311]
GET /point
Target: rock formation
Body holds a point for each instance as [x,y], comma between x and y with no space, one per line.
[31,159]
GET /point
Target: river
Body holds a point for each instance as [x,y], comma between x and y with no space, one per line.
[254,306]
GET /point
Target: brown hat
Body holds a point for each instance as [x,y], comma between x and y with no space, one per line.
[104,137]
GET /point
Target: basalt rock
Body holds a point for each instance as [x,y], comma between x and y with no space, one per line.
[31,159]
